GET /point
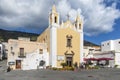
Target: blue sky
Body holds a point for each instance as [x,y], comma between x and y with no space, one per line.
[101,17]
[115,34]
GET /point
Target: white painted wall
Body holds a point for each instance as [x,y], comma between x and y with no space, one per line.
[117,58]
[5,49]
[107,46]
[110,45]
[1,51]
[32,60]
[53,46]
[117,45]
[81,47]
[113,45]
[107,55]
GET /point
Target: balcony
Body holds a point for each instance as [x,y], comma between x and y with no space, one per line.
[22,55]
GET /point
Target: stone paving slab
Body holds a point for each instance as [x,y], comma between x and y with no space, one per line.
[101,74]
[96,74]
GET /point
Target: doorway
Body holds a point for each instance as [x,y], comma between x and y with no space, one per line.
[69,61]
[18,64]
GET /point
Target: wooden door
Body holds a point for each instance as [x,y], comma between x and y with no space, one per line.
[18,64]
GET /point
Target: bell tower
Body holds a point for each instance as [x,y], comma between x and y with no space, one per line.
[54,17]
[53,25]
[79,28]
[78,23]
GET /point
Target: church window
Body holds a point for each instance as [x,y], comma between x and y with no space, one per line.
[75,25]
[79,26]
[55,19]
[69,41]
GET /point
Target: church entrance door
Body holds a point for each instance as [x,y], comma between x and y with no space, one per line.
[69,59]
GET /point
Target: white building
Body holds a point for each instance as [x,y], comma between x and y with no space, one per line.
[5,50]
[110,45]
[35,60]
[114,46]
[106,56]
[110,53]
[1,51]
[90,50]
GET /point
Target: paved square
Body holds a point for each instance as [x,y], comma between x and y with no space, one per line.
[99,74]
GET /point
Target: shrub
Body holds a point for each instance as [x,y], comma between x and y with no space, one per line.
[116,66]
[63,64]
[54,68]
[69,68]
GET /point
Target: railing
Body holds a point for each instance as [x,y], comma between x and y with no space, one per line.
[22,55]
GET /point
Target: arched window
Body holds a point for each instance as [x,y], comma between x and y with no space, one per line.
[79,26]
[69,41]
[55,19]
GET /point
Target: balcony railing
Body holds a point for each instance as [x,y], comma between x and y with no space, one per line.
[22,55]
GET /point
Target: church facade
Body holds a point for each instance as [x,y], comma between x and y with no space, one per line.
[64,40]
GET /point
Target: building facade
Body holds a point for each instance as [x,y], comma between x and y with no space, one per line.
[114,46]
[24,54]
[64,40]
[111,45]
[5,49]
[90,50]
[1,51]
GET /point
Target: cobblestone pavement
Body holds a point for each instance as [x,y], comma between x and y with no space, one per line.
[98,74]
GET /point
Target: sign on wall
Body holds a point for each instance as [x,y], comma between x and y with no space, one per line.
[11,63]
[60,58]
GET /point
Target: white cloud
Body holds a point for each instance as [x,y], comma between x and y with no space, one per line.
[99,18]
[17,13]
[33,14]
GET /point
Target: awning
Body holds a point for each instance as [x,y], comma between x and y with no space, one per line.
[97,59]
[105,58]
[92,59]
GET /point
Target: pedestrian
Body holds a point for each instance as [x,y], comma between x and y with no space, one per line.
[8,69]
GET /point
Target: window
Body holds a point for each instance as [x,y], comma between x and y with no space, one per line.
[21,52]
[79,26]
[41,51]
[119,42]
[55,19]
[76,25]
[44,40]
[11,48]
[107,43]
[69,41]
